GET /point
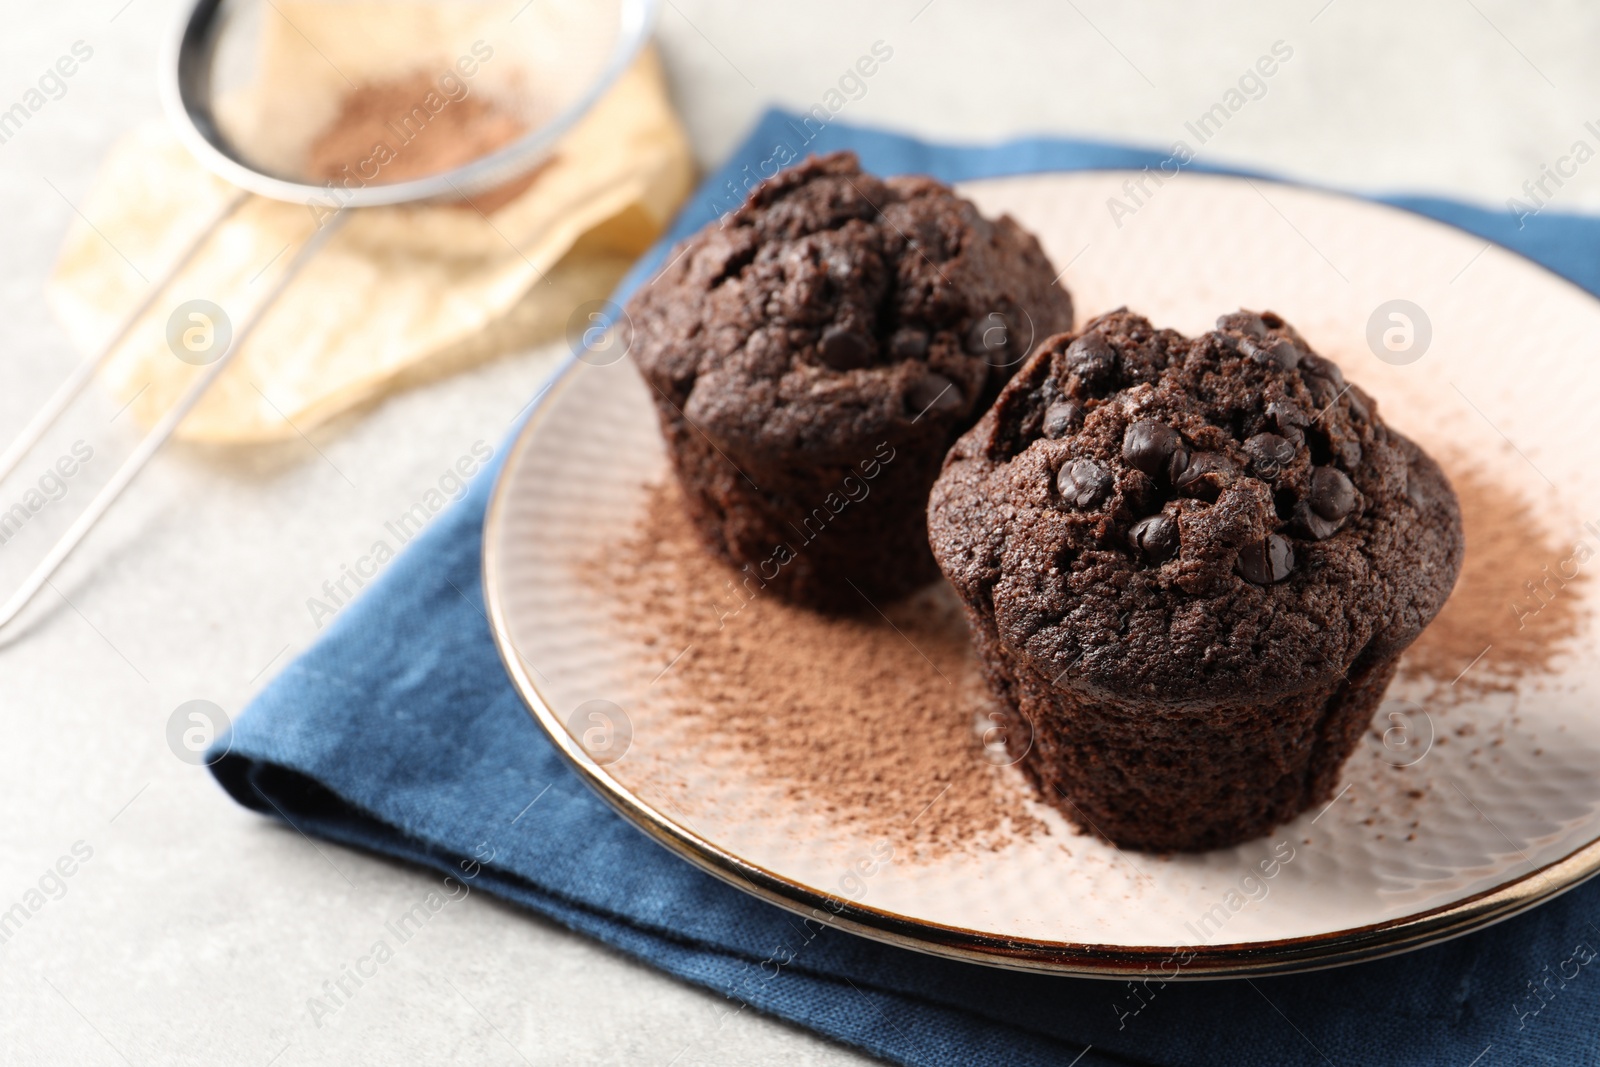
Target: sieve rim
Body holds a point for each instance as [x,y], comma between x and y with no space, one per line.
[185,66]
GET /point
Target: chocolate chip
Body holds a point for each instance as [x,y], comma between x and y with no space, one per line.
[1288,418]
[933,394]
[1092,359]
[1269,454]
[1315,365]
[1267,561]
[1281,353]
[1149,446]
[1206,474]
[988,336]
[1350,452]
[1244,321]
[1062,417]
[1323,391]
[1312,525]
[1083,483]
[909,343]
[1359,401]
[844,349]
[1332,495]
[1177,464]
[1155,537]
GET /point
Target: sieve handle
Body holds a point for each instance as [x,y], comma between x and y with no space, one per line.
[47,415]
[162,430]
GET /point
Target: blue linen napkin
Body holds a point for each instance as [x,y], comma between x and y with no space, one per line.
[399,733]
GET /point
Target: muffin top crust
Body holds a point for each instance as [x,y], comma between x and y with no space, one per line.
[835,309]
[1203,520]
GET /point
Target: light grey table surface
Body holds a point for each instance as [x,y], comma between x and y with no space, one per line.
[196,931]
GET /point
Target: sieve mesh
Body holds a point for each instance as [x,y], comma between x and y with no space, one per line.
[368,94]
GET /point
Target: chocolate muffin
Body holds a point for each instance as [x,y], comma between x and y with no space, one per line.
[813,356]
[1190,567]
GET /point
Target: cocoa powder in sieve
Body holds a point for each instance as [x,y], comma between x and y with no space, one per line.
[409,127]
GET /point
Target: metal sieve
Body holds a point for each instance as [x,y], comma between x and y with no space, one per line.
[247,85]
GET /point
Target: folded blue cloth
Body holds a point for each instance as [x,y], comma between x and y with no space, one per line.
[399,733]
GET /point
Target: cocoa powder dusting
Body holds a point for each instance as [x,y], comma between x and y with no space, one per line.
[874,720]
[877,720]
[404,128]
[1517,604]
